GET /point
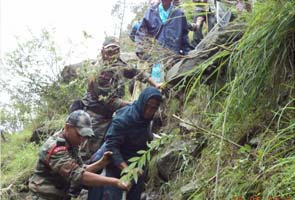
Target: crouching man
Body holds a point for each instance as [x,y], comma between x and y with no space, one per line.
[59,167]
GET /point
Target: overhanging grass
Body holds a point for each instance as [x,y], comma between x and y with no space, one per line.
[261,92]
[265,55]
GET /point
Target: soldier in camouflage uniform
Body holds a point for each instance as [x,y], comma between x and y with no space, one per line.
[59,166]
[106,89]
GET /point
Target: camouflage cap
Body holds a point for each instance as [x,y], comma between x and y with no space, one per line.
[81,120]
[110,41]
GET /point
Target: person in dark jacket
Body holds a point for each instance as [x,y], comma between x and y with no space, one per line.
[128,133]
[162,36]
[167,24]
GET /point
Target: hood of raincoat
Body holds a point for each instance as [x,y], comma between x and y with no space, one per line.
[133,115]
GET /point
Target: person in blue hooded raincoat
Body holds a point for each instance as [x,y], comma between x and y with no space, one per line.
[129,132]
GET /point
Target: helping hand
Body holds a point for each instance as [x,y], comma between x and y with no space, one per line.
[159,85]
[139,171]
[124,186]
[106,158]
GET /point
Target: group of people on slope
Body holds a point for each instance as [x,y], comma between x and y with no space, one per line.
[111,140]
[161,36]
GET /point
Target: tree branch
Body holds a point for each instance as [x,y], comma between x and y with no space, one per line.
[208,132]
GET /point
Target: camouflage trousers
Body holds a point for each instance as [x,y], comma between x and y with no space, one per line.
[37,196]
[99,127]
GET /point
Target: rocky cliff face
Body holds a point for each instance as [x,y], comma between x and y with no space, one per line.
[219,38]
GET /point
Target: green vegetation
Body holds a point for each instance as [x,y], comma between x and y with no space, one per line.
[245,115]
[140,162]
[254,107]
[18,159]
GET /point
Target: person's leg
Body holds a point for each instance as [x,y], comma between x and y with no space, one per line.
[136,190]
[39,196]
[198,35]
[36,197]
[110,192]
[211,21]
[95,193]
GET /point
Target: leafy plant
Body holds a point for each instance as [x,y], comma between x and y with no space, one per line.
[144,157]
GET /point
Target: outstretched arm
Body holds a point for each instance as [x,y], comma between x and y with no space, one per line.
[131,72]
[101,163]
[186,47]
[92,179]
[153,83]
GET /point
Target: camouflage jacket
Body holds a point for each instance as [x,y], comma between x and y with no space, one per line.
[59,166]
[106,88]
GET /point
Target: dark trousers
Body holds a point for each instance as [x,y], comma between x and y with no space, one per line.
[198,34]
[111,192]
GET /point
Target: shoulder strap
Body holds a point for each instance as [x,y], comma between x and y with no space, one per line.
[53,150]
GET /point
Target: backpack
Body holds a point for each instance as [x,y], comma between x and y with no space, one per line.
[135,27]
[77,105]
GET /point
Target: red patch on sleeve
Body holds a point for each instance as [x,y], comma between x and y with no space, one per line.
[54,149]
[58,149]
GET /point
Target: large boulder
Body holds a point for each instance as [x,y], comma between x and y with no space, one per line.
[70,72]
[129,57]
[41,133]
[217,39]
[170,161]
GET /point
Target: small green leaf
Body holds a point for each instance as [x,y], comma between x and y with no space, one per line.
[133,159]
[143,159]
[140,165]
[125,171]
[132,165]
[260,152]
[135,176]
[141,152]
[148,156]
[245,149]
